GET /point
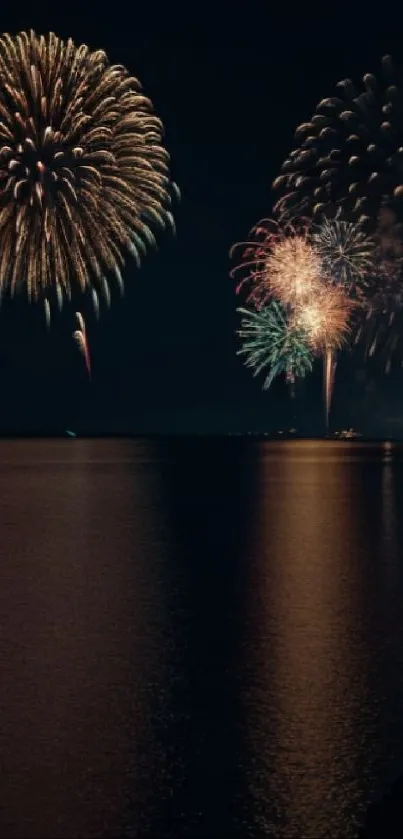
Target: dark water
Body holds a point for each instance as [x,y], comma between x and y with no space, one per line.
[198,638]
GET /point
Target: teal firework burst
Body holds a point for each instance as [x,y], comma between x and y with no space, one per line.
[271,343]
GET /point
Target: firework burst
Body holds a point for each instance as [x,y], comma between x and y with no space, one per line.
[294,271]
[347,254]
[348,157]
[301,283]
[270,342]
[278,262]
[324,319]
[84,176]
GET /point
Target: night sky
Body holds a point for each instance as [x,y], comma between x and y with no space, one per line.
[230,92]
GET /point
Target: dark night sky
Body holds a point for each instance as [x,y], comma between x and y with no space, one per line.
[230,92]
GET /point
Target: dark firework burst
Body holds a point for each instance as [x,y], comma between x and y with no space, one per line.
[348,158]
[347,255]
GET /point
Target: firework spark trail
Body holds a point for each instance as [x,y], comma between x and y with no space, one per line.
[84,177]
[80,337]
[326,321]
[329,371]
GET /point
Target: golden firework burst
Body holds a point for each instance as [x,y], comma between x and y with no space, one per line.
[84,176]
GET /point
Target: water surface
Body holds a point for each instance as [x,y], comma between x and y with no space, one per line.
[198,638]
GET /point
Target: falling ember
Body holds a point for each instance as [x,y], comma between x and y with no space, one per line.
[80,337]
[95,302]
[47,313]
[106,292]
[59,296]
[80,321]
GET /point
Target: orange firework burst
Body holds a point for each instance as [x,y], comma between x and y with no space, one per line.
[281,263]
[83,172]
[325,318]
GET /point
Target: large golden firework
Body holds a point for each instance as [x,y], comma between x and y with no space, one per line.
[84,176]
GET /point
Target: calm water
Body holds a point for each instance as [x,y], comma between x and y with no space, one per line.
[198,638]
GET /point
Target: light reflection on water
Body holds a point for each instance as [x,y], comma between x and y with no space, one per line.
[199,638]
[311,667]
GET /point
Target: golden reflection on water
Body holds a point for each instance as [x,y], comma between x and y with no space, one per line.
[389,579]
[388,495]
[310,528]
[77,575]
